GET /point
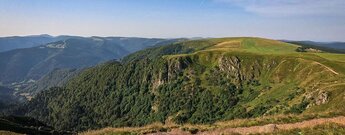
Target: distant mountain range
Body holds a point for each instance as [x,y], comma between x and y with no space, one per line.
[17,42]
[70,52]
[334,47]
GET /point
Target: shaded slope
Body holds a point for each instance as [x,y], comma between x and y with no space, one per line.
[75,52]
[7,98]
[56,78]
[16,42]
[26,125]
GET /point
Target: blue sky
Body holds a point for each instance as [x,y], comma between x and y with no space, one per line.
[320,20]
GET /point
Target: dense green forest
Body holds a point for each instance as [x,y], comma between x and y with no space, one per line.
[58,77]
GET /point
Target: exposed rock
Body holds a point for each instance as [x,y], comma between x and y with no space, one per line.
[232,66]
[158,82]
[322,98]
[256,70]
[308,95]
[176,66]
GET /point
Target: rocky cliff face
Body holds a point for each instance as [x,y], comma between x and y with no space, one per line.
[231,66]
[176,67]
[265,74]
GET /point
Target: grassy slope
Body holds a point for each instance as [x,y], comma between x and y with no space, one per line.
[324,129]
[312,72]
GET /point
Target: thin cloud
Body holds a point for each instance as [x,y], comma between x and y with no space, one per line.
[291,7]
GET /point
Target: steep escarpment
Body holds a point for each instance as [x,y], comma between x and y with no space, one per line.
[190,84]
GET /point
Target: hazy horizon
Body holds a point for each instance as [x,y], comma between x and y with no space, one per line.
[165,37]
[315,20]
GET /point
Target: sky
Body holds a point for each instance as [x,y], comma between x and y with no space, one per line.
[318,20]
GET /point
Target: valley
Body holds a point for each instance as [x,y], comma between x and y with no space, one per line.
[30,64]
[200,86]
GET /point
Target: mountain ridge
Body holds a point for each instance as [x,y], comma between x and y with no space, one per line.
[197,82]
[75,52]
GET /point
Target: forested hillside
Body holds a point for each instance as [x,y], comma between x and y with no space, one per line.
[56,78]
[6,98]
[196,82]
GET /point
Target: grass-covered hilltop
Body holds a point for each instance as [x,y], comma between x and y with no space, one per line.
[198,82]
